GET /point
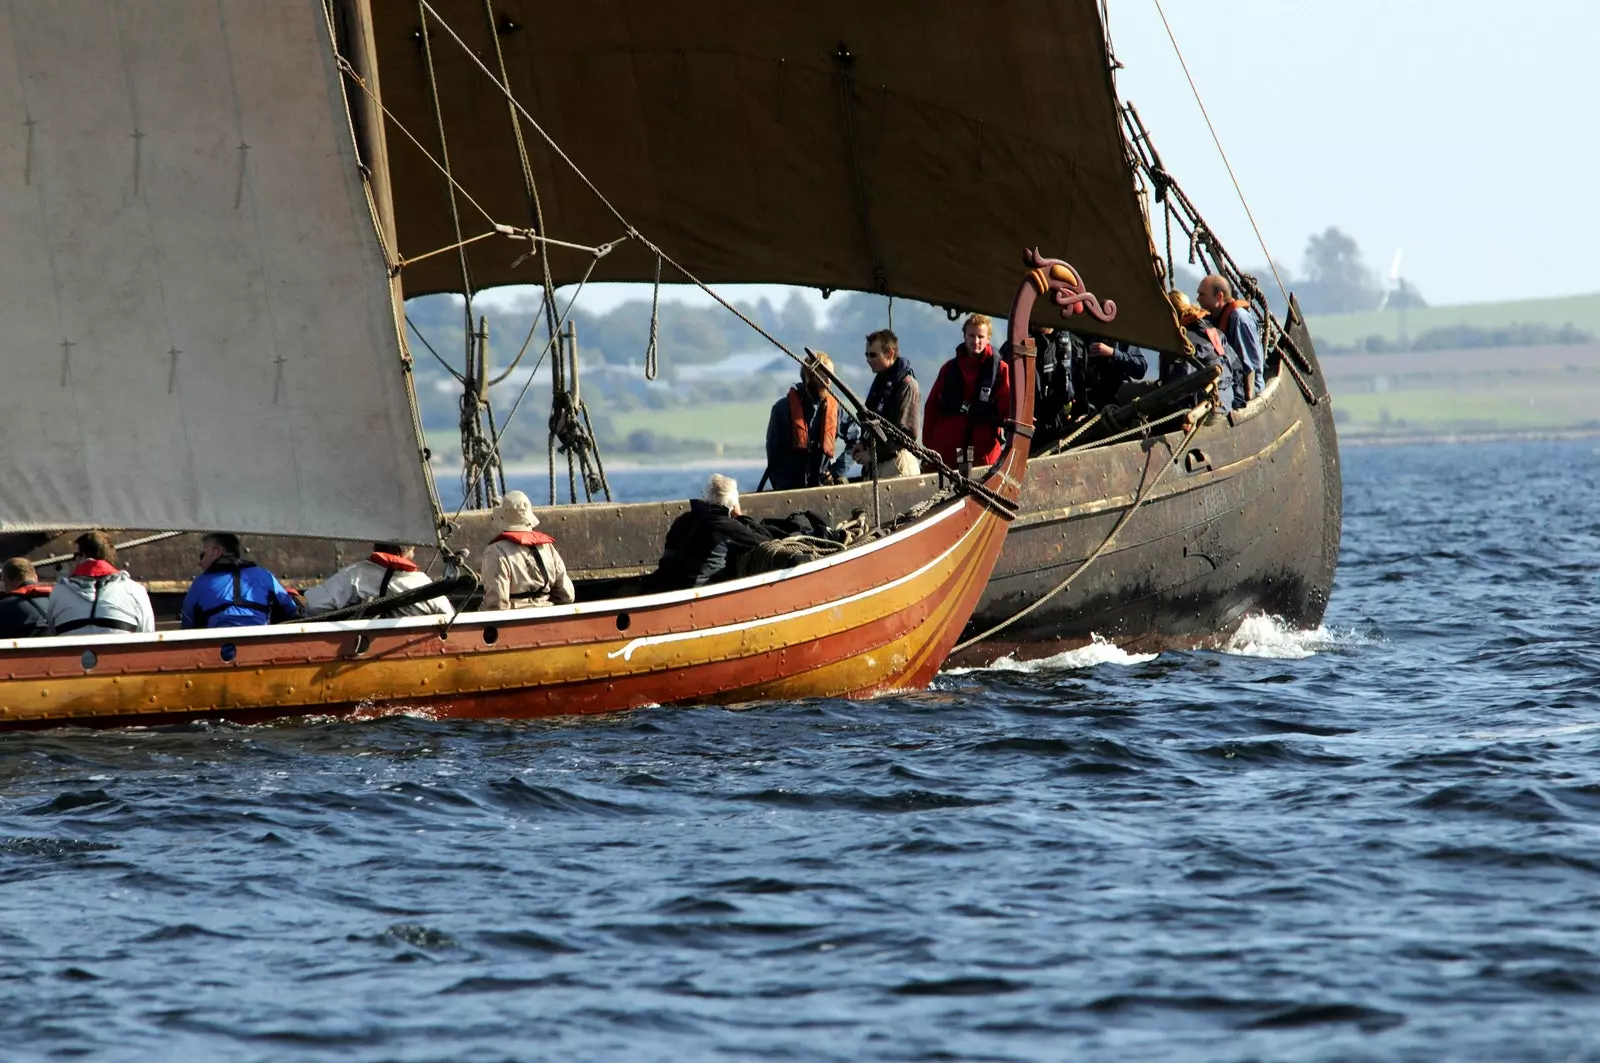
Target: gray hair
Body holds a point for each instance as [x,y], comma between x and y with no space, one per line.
[722,491]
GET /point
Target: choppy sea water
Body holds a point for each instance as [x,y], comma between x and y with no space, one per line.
[1379,840]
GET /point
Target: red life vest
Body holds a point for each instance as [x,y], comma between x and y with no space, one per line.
[800,435]
[523,538]
[392,562]
[96,569]
[32,590]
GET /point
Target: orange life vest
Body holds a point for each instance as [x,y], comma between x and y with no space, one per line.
[800,434]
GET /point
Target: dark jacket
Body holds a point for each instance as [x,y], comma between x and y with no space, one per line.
[1098,379]
[789,467]
[704,545]
[895,396]
[1210,353]
[235,593]
[25,612]
[1053,378]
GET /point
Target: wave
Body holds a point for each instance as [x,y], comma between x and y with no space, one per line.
[1263,635]
[1097,652]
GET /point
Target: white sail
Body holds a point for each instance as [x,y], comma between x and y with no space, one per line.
[196,329]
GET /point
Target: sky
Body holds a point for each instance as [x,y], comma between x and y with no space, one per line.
[1461,133]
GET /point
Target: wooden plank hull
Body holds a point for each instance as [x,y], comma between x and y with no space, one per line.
[867,621]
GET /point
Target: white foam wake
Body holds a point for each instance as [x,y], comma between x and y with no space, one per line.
[1099,651]
[1271,636]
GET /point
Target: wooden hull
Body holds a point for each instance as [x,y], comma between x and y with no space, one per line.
[868,621]
[1249,524]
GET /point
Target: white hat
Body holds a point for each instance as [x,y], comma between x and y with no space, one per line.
[516,512]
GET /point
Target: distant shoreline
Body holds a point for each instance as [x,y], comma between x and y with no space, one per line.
[1540,435]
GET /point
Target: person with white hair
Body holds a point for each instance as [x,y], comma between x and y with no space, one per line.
[522,568]
[704,545]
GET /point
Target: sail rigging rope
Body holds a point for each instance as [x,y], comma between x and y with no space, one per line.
[353,75]
[530,187]
[929,458]
[1111,539]
[1215,139]
[600,253]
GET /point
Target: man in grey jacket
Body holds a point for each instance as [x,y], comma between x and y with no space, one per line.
[98,598]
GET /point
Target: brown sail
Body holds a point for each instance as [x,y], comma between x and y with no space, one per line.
[902,147]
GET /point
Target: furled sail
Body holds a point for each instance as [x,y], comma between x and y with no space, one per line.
[897,145]
[198,330]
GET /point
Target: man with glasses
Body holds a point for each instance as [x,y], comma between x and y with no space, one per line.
[232,592]
[895,396]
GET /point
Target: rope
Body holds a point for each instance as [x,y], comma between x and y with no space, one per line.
[350,71]
[1099,550]
[652,351]
[1271,262]
[448,367]
[60,559]
[928,457]
[495,442]
[530,187]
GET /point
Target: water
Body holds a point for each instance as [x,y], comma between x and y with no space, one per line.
[1380,840]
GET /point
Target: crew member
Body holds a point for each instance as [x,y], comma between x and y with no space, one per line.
[233,592]
[1104,369]
[522,568]
[803,430]
[1237,324]
[1053,380]
[1210,348]
[389,569]
[704,545]
[98,598]
[25,605]
[895,396]
[969,401]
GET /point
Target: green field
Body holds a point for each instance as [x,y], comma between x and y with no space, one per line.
[1344,330]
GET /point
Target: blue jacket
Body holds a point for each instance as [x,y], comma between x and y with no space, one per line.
[234,593]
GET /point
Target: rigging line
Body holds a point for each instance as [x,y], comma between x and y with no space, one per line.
[1271,263]
[928,456]
[1099,550]
[530,186]
[512,413]
[514,102]
[344,64]
[402,263]
[61,559]
[448,367]
[444,152]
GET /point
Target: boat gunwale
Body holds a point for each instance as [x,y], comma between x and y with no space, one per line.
[498,616]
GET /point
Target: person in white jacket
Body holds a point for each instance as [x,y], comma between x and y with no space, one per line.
[522,568]
[98,598]
[389,569]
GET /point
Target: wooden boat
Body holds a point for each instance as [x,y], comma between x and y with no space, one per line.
[1246,516]
[871,619]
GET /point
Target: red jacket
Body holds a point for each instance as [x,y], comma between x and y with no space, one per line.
[946,430]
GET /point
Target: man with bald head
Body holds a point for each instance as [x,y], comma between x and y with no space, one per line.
[1233,319]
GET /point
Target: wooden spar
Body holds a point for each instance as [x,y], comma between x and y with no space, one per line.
[869,620]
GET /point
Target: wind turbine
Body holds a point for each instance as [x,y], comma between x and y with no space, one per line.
[1394,286]
[1394,280]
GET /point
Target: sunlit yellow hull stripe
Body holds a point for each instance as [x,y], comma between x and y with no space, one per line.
[448,672]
